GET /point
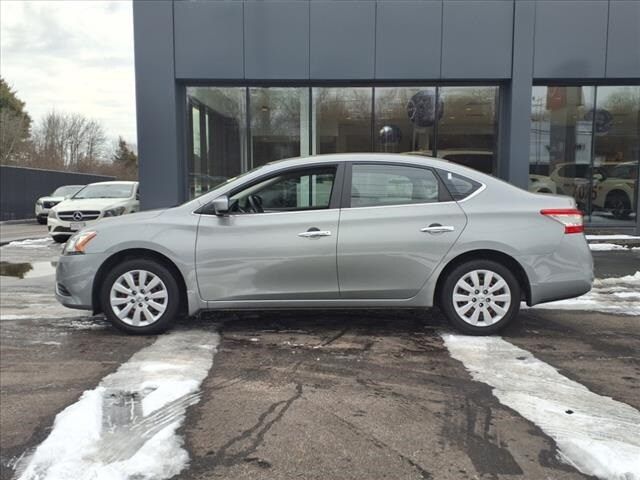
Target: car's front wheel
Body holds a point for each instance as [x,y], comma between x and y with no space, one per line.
[140,296]
[60,238]
[480,297]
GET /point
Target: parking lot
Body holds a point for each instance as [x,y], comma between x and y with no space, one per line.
[320,394]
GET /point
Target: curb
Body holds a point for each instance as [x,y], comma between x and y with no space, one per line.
[19,221]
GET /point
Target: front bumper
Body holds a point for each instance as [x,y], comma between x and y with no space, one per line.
[74,279]
[58,227]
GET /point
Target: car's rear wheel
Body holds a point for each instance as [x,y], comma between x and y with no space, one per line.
[618,204]
[480,297]
[140,297]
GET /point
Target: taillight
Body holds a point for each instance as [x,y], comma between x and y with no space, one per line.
[571,218]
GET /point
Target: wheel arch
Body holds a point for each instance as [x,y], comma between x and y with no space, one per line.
[136,253]
[486,254]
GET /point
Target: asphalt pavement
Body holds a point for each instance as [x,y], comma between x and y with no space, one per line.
[359,394]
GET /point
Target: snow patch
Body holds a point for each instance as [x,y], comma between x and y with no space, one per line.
[603,247]
[127,427]
[612,237]
[619,295]
[599,437]
[32,243]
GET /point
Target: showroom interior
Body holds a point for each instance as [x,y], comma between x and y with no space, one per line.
[500,86]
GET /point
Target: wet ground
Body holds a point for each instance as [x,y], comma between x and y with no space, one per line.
[313,395]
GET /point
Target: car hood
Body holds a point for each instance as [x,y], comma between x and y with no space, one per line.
[123,220]
[90,204]
[51,199]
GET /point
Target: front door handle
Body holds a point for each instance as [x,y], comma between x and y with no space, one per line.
[314,232]
[437,228]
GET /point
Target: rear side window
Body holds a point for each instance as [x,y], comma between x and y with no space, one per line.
[459,187]
[380,185]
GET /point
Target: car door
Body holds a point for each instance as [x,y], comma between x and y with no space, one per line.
[398,223]
[286,251]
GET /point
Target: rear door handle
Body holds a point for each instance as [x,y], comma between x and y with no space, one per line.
[437,229]
[315,233]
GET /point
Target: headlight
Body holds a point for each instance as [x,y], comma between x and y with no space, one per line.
[52,214]
[114,212]
[77,244]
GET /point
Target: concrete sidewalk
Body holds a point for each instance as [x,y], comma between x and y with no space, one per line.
[10,232]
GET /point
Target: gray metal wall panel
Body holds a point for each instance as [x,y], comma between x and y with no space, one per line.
[408,39]
[21,187]
[476,39]
[209,40]
[623,45]
[160,164]
[276,35]
[342,42]
[515,101]
[570,39]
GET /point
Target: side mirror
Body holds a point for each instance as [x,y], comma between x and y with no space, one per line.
[221,205]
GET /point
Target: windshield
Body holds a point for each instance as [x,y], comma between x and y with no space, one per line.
[226,182]
[111,190]
[67,190]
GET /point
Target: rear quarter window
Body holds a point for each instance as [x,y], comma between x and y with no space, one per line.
[459,187]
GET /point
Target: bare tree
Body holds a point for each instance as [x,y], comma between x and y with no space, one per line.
[68,141]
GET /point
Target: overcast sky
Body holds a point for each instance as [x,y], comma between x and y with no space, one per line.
[72,56]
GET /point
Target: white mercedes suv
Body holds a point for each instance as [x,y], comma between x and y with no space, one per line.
[92,203]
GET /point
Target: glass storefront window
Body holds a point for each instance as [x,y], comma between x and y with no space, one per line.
[467,129]
[560,141]
[585,142]
[279,123]
[616,155]
[341,120]
[217,142]
[405,119]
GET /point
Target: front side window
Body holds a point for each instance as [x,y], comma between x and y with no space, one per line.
[307,189]
[382,185]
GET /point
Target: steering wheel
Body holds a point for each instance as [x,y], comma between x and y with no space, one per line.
[255,202]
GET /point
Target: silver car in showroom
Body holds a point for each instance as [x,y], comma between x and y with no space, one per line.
[335,231]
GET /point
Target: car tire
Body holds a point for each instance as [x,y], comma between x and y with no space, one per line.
[491,308]
[619,205]
[42,220]
[152,311]
[60,238]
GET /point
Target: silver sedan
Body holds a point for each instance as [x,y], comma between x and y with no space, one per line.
[347,231]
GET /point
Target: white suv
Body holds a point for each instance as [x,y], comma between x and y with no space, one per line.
[93,202]
[44,204]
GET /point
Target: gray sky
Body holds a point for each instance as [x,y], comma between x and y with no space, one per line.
[72,56]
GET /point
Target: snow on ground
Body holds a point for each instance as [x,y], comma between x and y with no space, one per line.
[620,295]
[602,247]
[597,435]
[611,237]
[127,427]
[32,243]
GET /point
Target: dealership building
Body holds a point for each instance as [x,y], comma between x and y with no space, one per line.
[544,94]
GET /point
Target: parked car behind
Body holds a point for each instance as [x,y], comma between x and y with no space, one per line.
[44,204]
[92,203]
[350,230]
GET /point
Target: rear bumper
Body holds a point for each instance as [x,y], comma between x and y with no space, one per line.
[74,279]
[565,273]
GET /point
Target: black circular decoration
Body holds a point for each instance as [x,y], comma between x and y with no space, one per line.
[603,119]
[389,134]
[421,109]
